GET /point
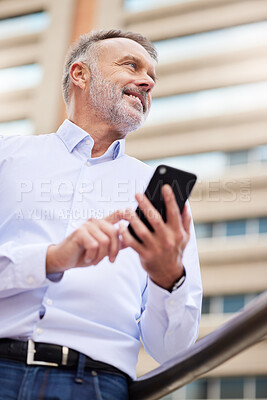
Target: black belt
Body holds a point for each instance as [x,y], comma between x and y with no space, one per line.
[51,355]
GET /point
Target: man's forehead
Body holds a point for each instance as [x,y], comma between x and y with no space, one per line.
[121,47]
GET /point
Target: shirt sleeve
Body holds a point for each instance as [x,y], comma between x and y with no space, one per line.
[23,267]
[170,321]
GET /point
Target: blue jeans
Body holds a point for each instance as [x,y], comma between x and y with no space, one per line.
[22,382]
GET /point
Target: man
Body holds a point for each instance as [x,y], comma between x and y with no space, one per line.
[77,290]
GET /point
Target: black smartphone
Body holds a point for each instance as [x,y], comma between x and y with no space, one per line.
[182,183]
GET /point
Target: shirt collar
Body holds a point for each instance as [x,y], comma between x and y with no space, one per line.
[72,135]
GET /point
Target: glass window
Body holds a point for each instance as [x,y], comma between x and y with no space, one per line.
[212,43]
[205,305]
[261,387]
[232,388]
[197,389]
[203,230]
[213,163]
[238,157]
[235,228]
[233,303]
[19,127]
[263,225]
[209,103]
[25,24]
[203,165]
[262,153]
[19,78]
[141,5]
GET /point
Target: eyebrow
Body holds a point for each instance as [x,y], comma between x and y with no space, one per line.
[137,60]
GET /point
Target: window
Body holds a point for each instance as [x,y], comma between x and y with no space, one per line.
[231,228]
[19,78]
[238,157]
[262,153]
[19,127]
[205,305]
[25,24]
[232,388]
[263,225]
[213,163]
[141,5]
[208,103]
[234,228]
[203,230]
[212,43]
[248,387]
[197,389]
[204,165]
[226,304]
[261,387]
[232,304]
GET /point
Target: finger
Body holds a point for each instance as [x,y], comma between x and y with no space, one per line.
[140,228]
[102,239]
[127,240]
[173,215]
[151,214]
[113,233]
[90,246]
[115,217]
[186,219]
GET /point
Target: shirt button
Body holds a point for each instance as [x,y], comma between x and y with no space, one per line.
[30,280]
[49,302]
[73,224]
[172,302]
[39,331]
[169,333]
[88,164]
[87,141]
[80,190]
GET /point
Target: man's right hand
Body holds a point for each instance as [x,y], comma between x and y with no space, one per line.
[88,245]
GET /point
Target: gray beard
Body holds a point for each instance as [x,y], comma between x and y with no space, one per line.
[107,99]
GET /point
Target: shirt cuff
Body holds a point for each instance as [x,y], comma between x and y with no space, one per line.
[172,302]
[31,267]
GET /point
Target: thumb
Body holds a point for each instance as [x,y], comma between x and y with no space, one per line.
[115,217]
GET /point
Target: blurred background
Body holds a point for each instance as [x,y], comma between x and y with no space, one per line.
[209,116]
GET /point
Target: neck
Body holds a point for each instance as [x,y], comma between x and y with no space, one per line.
[102,134]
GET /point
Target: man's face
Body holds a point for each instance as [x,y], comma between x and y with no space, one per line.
[121,84]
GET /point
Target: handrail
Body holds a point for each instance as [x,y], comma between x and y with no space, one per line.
[242,331]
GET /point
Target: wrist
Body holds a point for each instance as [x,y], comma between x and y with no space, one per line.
[178,283]
[51,260]
[167,282]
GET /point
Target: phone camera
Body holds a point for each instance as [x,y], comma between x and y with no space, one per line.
[162,170]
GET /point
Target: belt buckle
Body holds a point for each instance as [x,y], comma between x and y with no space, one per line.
[30,356]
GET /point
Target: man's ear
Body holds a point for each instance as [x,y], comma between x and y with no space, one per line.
[79,74]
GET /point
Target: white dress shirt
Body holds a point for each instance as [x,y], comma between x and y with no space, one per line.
[50,185]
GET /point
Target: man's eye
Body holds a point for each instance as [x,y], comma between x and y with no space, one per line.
[132,64]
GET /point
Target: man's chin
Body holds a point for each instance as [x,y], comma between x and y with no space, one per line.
[130,119]
[131,125]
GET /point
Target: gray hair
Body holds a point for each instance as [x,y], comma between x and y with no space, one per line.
[85,49]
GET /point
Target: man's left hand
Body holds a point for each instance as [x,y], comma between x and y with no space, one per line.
[161,251]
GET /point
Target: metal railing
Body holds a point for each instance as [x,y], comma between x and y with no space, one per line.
[245,329]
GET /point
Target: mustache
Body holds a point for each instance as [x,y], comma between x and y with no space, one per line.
[143,93]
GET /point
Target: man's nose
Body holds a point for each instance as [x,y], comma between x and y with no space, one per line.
[147,83]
